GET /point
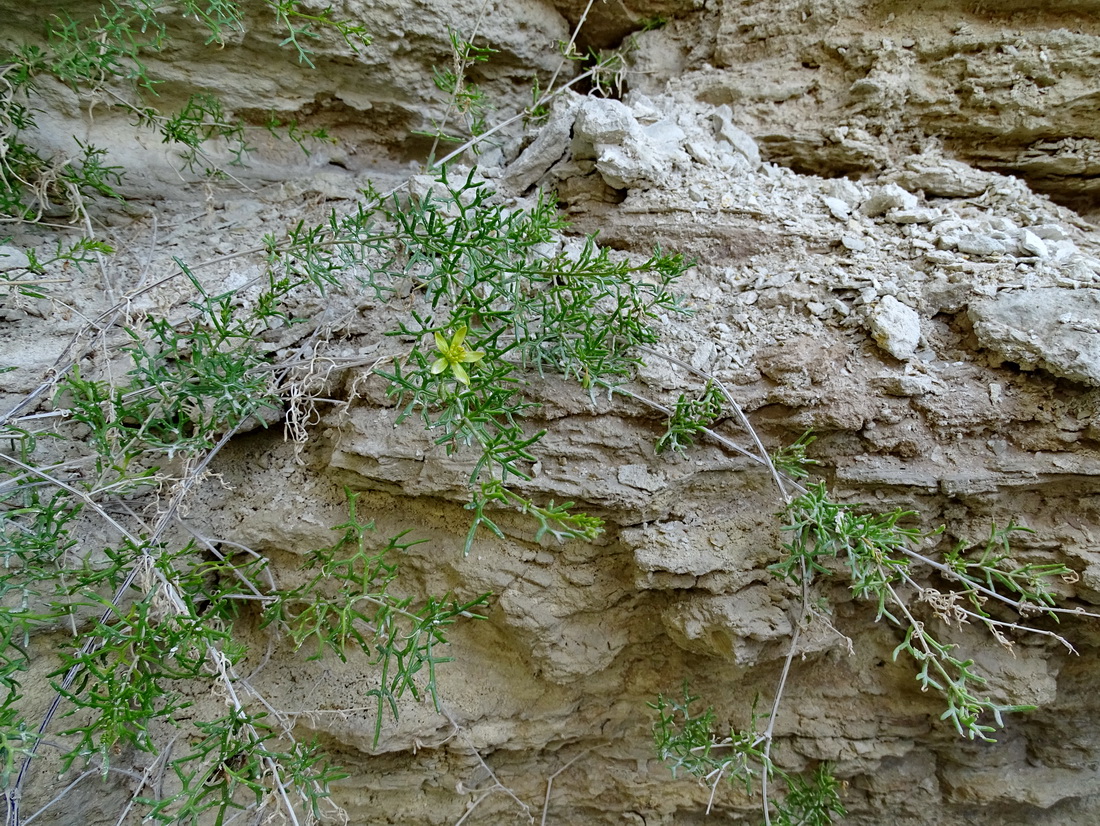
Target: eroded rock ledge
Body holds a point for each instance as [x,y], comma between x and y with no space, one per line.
[863,270]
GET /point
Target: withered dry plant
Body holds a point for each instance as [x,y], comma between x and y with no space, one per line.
[132,614]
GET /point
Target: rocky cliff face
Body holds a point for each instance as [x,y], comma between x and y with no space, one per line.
[843,88]
[880,198]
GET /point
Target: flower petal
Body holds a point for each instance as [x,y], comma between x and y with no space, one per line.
[460,336]
[439,366]
[460,373]
[441,343]
[469,357]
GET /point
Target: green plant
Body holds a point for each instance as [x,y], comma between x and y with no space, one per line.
[151,608]
[464,97]
[495,308]
[539,111]
[650,24]
[361,614]
[694,742]
[153,619]
[791,460]
[103,56]
[689,419]
[878,552]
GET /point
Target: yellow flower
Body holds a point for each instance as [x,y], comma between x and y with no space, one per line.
[454,354]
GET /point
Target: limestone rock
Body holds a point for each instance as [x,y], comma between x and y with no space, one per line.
[740,140]
[911,216]
[895,328]
[1052,328]
[1031,244]
[838,208]
[888,198]
[826,76]
[627,154]
[844,190]
[791,277]
[934,174]
[730,626]
[604,121]
[981,245]
[12,258]
[548,147]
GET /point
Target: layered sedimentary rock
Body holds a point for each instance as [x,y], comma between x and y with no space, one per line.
[864,269]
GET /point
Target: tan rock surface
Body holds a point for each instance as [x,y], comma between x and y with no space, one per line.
[923,105]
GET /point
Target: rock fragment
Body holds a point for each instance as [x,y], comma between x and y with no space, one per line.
[911,216]
[844,190]
[627,155]
[1050,232]
[12,258]
[887,198]
[1053,328]
[838,208]
[895,328]
[733,626]
[549,146]
[740,140]
[974,244]
[939,176]
[1031,244]
[602,120]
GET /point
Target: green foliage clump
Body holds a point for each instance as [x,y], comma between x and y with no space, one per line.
[152,619]
[463,96]
[791,460]
[689,419]
[490,289]
[878,551]
[152,614]
[693,742]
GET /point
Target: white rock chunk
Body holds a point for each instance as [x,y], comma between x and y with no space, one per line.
[1062,251]
[844,190]
[911,216]
[549,146]
[887,198]
[1031,244]
[975,244]
[601,120]
[12,259]
[895,328]
[740,140]
[627,154]
[838,208]
[1050,232]
[1053,328]
[936,175]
